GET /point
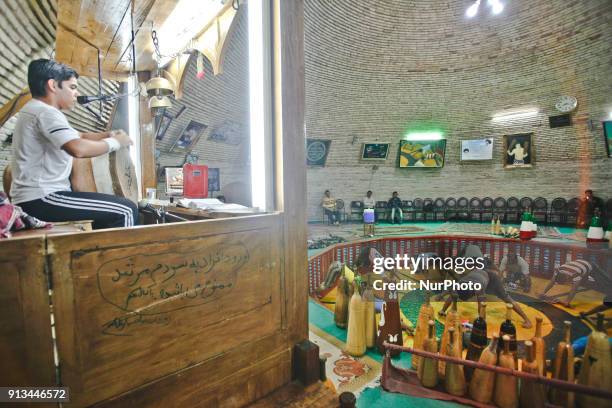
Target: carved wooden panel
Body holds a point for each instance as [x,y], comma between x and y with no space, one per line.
[136,305]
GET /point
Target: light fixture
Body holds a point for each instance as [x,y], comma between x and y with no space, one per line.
[159,86]
[473,9]
[435,135]
[496,6]
[159,102]
[515,115]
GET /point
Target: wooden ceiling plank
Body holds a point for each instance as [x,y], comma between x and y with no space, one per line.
[42,37]
[46,24]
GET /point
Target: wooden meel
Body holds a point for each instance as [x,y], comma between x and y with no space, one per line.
[533,395]
[563,369]
[342,302]
[26,347]
[596,370]
[356,332]
[506,386]
[426,313]
[129,315]
[478,339]
[370,318]
[428,367]
[483,382]
[452,320]
[539,345]
[454,379]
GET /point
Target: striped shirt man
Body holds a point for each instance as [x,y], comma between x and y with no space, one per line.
[574,270]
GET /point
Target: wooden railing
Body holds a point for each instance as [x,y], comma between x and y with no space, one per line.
[542,257]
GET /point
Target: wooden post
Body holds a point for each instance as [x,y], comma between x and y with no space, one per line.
[147,140]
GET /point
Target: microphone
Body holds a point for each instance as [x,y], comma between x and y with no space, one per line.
[84,100]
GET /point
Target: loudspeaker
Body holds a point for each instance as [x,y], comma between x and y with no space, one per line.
[560,121]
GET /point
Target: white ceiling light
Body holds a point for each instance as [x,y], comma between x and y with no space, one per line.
[496,6]
[473,9]
[185,21]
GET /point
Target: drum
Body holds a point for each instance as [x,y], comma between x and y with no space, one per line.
[112,173]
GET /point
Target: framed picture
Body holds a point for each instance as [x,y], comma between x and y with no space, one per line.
[519,151]
[162,126]
[374,151]
[422,153]
[316,152]
[214,180]
[229,132]
[174,181]
[477,149]
[189,136]
[607,128]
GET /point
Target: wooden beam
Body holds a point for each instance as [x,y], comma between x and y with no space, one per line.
[14,105]
[147,141]
[290,171]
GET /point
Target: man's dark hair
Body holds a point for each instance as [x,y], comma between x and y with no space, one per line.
[395,192]
[42,70]
[588,192]
[369,191]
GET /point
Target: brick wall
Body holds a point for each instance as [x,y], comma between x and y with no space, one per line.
[375,70]
[216,101]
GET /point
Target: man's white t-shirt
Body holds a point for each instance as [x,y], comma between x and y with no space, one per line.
[39,166]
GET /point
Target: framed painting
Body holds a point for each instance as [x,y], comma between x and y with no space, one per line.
[174,181]
[316,152]
[422,153]
[163,125]
[189,136]
[477,149]
[214,179]
[519,151]
[607,128]
[374,151]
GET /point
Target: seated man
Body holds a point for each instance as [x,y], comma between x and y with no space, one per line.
[587,208]
[44,144]
[491,285]
[578,272]
[515,270]
[395,205]
[329,206]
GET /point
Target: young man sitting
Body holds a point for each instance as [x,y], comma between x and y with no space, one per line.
[395,205]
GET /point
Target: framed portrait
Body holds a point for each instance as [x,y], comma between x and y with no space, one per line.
[316,152]
[174,181]
[189,136]
[422,153]
[374,151]
[519,151]
[214,180]
[607,128]
[477,149]
[163,125]
[229,132]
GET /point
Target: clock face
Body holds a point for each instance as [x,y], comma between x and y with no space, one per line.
[566,103]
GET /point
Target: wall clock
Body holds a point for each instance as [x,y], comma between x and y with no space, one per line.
[566,103]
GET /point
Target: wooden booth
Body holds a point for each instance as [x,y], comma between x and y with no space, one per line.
[200,313]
